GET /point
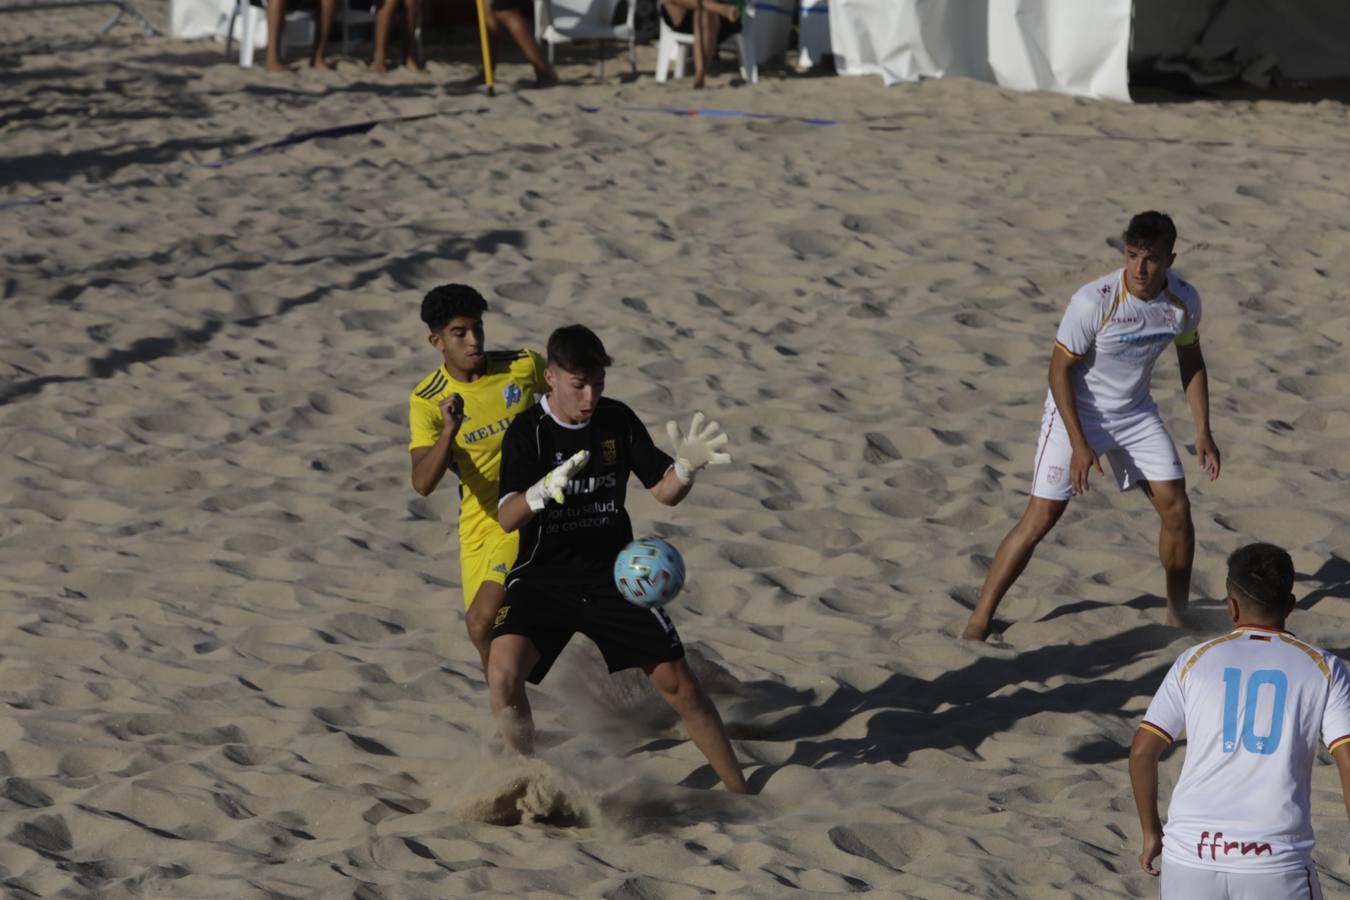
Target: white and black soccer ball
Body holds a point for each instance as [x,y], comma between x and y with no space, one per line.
[649,572]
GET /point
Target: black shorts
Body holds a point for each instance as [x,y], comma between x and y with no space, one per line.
[549,611]
[520,6]
[725,29]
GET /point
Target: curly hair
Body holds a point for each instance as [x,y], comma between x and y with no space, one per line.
[450,301]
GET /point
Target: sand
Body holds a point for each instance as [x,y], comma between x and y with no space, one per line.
[233,656]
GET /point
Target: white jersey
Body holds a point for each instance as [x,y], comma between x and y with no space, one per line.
[1251,704]
[1119,337]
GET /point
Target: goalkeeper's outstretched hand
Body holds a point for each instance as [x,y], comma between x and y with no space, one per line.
[551,485]
[702,446]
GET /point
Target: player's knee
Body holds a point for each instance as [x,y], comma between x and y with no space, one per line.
[1038,522]
[1175,511]
[505,676]
[681,690]
[478,621]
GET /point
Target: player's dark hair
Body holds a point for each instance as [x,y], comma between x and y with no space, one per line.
[1151,229]
[577,349]
[450,301]
[1262,574]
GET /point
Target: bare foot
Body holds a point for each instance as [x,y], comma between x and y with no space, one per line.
[546,78]
[275,65]
[975,631]
[379,68]
[412,64]
[321,64]
[699,83]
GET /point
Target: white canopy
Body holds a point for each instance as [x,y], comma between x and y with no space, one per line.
[1085,47]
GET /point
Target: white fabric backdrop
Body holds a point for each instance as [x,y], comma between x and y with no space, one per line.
[1070,46]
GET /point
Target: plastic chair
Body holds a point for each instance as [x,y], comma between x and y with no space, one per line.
[569,21]
[673,48]
[247,14]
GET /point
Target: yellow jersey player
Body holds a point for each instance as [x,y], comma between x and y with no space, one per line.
[457,416]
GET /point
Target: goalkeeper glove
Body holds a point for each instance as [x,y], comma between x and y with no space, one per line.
[699,448]
[552,484]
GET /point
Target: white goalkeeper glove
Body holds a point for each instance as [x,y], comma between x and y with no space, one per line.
[700,447]
[551,485]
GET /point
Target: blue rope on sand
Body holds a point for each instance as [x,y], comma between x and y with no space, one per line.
[714,114]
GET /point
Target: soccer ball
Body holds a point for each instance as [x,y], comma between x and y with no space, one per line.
[649,572]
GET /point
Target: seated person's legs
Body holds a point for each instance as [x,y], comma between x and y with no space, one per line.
[276,22]
[511,15]
[710,23]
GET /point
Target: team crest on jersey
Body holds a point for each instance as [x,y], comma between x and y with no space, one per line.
[511,394]
[500,567]
[610,451]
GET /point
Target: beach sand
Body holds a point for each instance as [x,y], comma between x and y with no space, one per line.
[233,655]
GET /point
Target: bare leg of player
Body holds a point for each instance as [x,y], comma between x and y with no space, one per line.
[678,687]
[482,614]
[511,659]
[1010,559]
[1176,542]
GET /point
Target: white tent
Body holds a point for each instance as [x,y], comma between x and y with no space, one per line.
[1086,47]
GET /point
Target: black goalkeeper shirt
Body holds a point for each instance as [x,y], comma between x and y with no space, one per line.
[585,534]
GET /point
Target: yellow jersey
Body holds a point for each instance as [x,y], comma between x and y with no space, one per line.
[512,381]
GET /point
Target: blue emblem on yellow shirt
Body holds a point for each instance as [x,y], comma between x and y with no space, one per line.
[511,394]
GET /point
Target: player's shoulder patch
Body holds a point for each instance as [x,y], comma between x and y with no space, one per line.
[433,384]
[1100,291]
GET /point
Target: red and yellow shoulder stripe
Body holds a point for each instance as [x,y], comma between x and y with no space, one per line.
[1154,729]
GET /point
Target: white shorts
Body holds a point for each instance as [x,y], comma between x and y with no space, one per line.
[1181,882]
[1137,446]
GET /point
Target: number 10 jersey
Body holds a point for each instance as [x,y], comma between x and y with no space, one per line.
[1252,705]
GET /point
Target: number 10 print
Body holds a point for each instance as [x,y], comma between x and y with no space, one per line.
[1264,744]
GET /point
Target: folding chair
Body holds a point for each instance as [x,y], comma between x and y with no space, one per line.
[673,48]
[570,21]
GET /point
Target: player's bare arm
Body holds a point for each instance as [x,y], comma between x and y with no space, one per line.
[1341,755]
[429,463]
[1195,383]
[1145,752]
[1061,388]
